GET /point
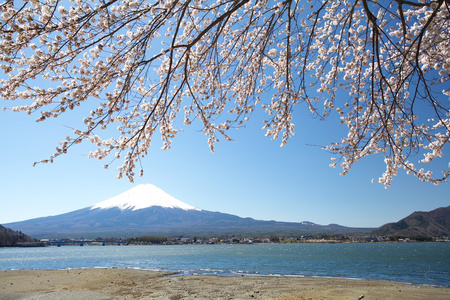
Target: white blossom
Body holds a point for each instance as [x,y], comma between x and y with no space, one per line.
[384,71]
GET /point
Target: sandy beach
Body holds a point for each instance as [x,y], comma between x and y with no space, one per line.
[99,284]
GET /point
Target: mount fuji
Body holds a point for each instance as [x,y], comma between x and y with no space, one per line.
[148,210]
[143,196]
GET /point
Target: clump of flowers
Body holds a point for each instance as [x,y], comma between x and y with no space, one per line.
[138,64]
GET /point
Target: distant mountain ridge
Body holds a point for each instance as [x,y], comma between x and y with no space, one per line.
[432,224]
[147,210]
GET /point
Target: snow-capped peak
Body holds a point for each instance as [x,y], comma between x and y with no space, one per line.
[143,196]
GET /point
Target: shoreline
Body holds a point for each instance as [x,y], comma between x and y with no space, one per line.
[115,283]
[169,273]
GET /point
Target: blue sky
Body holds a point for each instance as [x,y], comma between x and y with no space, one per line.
[249,177]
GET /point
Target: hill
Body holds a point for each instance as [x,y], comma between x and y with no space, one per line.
[9,237]
[431,224]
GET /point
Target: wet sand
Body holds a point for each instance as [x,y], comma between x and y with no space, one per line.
[99,284]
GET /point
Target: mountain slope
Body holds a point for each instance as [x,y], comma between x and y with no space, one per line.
[143,196]
[432,223]
[114,222]
[146,210]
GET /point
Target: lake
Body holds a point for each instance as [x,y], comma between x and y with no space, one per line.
[425,263]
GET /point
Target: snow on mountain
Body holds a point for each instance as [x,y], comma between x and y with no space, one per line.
[147,210]
[143,196]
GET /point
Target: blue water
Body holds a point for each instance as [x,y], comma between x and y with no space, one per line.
[425,263]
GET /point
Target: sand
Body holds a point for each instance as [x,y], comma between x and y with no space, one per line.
[99,284]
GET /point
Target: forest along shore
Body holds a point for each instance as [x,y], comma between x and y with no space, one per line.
[112,283]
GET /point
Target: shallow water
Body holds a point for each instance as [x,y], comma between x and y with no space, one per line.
[426,263]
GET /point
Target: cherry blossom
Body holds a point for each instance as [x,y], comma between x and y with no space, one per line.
[147,68]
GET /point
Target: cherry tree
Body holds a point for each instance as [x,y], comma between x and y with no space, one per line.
[149,67]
